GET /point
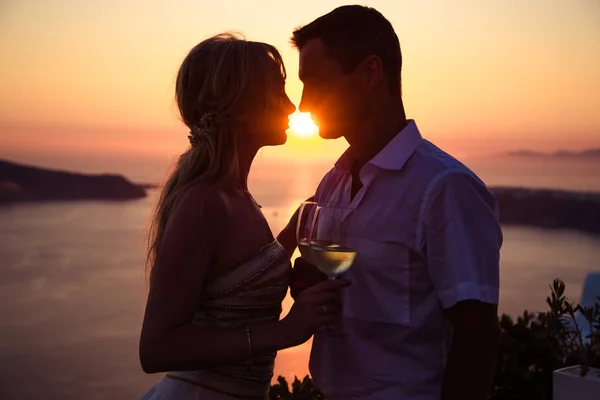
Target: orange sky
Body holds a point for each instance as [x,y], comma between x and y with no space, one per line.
[479,76]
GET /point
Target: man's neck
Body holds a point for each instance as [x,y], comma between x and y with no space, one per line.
[375,133]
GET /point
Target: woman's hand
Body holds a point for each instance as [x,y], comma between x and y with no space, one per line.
[316,306]
[304,275]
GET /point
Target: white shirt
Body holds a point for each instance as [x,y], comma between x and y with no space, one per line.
[427,236]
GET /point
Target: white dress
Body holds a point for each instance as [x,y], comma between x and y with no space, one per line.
[249,294]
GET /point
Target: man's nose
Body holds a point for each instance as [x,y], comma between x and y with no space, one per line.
[305,105]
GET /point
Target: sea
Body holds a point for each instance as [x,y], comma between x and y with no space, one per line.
[72,285]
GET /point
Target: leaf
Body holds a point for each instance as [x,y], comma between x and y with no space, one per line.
[558,287]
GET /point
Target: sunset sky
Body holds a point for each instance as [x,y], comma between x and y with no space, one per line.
[97,77]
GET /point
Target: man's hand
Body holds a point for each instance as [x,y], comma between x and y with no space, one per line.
[304,275]
[475,342]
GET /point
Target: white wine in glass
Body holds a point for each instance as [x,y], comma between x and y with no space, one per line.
[331,259]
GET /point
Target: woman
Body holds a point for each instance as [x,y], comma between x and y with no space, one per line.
[217,276]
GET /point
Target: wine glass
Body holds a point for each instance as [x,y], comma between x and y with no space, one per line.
[329,249]
[304,227]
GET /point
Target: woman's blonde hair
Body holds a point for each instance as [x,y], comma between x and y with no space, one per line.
[220,78]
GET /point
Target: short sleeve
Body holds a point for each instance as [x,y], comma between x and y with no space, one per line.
[462,239]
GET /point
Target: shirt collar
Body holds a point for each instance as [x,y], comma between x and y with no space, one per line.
[394,155]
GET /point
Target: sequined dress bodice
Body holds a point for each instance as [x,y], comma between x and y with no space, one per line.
[247,295]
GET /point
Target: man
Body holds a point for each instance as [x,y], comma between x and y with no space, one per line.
[421,316]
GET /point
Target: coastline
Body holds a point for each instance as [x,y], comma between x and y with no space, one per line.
[519,206]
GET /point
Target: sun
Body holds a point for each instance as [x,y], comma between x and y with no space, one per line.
[301,124]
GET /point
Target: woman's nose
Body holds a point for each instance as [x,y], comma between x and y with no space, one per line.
[288,105]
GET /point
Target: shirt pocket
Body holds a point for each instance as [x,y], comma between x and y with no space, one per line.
[380,278]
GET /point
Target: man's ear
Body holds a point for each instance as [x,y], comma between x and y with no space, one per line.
[372,68]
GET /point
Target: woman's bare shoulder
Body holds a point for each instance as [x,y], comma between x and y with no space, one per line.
[204,200]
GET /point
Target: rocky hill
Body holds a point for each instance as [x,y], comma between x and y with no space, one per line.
[19,183]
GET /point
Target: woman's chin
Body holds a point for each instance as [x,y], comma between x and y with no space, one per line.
[283,140]
[277,139]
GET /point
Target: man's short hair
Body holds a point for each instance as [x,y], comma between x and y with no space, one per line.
[351,34]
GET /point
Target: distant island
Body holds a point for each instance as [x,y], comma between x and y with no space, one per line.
[547,208]
[22,183]
[589,153]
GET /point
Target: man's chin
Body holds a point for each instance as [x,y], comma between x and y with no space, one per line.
[329,135]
